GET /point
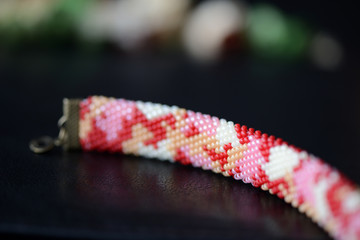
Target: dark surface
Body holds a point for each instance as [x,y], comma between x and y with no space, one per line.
[91,195]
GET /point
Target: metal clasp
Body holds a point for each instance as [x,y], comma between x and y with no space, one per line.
[45,143]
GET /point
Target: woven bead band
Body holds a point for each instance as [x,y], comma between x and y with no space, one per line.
[179,135]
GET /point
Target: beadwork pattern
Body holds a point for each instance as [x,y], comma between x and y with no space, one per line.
[179,135]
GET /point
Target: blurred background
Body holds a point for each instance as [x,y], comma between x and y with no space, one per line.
[288,68]
[206,31]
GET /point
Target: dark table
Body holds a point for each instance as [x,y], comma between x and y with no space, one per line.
[92,195]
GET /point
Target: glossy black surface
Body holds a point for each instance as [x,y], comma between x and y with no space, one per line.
[112,196]
[92,195]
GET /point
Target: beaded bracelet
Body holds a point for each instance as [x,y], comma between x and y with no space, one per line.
[170,133]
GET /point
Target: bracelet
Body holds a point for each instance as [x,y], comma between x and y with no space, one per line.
[171,133]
